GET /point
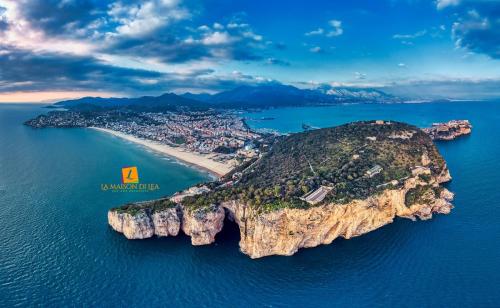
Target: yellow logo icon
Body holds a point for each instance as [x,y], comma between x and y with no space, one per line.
[130,175]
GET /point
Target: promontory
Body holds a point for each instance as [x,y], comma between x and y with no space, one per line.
[305,190]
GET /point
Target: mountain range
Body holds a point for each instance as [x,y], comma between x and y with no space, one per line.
[242,97]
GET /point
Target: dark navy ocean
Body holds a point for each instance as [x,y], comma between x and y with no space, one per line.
[56,248]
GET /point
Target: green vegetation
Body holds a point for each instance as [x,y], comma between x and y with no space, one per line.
[179,140]
[425,177]
[151,206]
[422,194]
[338,157]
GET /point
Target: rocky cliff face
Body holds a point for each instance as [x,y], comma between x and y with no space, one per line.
[203,225]
[200,225]
[285,231]
[145,223]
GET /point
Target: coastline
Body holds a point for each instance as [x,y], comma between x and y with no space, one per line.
[200,161]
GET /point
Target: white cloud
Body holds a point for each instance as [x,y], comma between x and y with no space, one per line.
[335,29]
[410,36]
[318,31]
[441,4]
[359,76]
[143,19]
[21,34]
[217,38]
[204,28]
[402,65]
[218,26]
[237,25]
[274,61]
[251,35]
[316,49]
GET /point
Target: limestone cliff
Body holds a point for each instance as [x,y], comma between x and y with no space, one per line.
[145,223]
[200,225]
[203,225]
[137,226]
[285,231]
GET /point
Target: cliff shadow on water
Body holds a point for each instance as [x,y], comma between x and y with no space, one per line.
[230,233]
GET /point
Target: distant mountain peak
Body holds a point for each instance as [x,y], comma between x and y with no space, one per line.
[245,96]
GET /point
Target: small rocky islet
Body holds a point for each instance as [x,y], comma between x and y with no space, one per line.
[307,189]
[449,130]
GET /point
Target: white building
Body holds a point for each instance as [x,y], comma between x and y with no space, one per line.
[374,171]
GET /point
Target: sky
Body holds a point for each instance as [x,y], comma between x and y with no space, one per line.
[55,49]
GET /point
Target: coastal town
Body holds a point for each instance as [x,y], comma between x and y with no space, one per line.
[221,139]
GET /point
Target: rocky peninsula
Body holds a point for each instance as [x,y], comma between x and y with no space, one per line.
[308,189]
[449,130]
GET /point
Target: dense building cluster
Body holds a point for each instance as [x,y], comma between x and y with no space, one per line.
[199,131]
[449,130]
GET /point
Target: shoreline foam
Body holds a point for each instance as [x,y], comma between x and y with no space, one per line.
[200,161]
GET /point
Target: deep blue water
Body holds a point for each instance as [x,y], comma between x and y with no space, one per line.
[57,250]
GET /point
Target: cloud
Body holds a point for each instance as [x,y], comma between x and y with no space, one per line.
[274,61]
[402,65]
[409,36]
[216,83]
[56,18]
[139,29]
[318,31]
[441,4]
[334,29]
[477,27]
[96,19]
[450,88]
[218,26]
[422,89]
[127,47]
[19,31]
[3,19]
[316,49]
[216,38]
[233,42]
[359,76]
[235,25]
[139,19]
[22,71]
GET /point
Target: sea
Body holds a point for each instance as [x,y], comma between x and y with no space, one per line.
[57,250]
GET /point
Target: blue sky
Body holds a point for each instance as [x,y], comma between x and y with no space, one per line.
[69,48]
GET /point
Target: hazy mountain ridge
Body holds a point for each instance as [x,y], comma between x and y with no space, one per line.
[262,96]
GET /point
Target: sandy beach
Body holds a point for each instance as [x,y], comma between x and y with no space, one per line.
[203,161]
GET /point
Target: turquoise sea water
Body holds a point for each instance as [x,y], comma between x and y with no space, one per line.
[57,250]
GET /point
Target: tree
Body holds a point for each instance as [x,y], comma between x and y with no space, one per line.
[277,191]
